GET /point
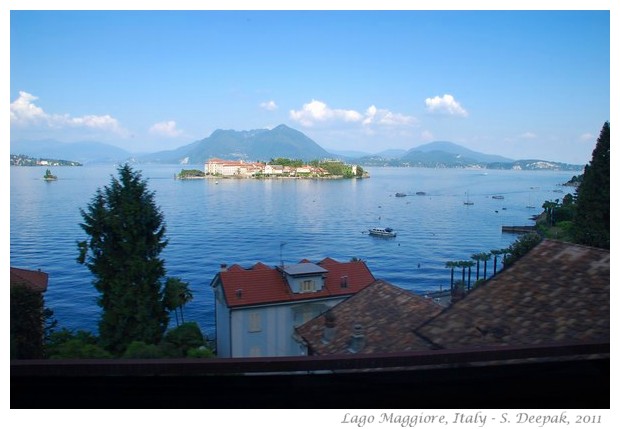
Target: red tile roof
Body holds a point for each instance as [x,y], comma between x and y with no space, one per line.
[264,285]
[386,314]
[557,292]
[33,280]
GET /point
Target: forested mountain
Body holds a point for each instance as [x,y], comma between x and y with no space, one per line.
[261,144]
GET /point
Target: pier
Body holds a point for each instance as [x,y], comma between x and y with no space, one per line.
[519,229]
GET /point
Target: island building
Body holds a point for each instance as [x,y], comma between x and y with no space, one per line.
[240,168]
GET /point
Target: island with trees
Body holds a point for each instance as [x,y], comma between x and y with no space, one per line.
[283,168]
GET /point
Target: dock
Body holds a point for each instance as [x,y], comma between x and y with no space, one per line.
[519,229]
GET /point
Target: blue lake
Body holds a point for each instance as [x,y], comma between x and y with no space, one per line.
[247,221]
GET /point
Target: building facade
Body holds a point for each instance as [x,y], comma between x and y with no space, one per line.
[258,309]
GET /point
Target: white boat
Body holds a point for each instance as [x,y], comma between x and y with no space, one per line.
[382,232]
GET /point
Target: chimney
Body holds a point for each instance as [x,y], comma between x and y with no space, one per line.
[357,339]
[329,330]
[223,268]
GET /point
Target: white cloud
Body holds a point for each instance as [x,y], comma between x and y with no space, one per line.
[319,112]
[385,117]
[165,129]
[586,137]
[446,105]
[268,105]
[25,113]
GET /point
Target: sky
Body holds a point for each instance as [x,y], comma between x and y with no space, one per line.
[516,83]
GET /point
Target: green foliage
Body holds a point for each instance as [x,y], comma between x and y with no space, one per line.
[185,174]
[66,344]
[141,350]
[185,337]
[200,352]
[592,213]
[286,162]
[28,320]
[126,231]
[176,295]
[521,246]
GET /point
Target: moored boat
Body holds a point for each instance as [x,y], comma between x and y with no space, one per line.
[382,232]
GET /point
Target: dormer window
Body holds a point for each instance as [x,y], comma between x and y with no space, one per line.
[308,286]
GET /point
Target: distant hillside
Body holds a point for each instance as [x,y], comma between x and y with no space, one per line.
[448,153]
[262,144]
[82,152]
[442,154]
[281,142]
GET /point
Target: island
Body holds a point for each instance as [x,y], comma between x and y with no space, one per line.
[282,168]
[49,176]
[190,174]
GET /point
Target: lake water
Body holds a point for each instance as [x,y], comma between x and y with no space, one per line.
[247,221]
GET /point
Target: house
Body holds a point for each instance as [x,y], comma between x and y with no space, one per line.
[27,313]
[35,281]
[221,167]
[258,308]
[557,292]
[380,318]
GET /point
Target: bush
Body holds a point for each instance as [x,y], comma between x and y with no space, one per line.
[141,350]
[200,352]
[78,349]
[185,337]
[66,344]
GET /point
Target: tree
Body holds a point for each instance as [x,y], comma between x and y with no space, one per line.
[452,265]
[521,246]
[176,295]
[127,234]
[485,257]
[496,253]
[478,257]
[31,323]
[591,224]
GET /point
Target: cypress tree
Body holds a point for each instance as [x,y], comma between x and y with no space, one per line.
[591,224]
[127,235]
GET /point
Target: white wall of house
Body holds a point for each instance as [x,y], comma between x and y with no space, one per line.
[266,330]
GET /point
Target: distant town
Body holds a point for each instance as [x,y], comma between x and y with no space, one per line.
[27,161]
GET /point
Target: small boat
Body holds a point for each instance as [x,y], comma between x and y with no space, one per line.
[420,193]
[468,202]
[382,232]
[498,197]
[400,194]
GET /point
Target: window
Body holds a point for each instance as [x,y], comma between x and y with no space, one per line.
[308,286]
[254,322]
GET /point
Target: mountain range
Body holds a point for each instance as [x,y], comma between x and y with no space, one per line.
[279,142]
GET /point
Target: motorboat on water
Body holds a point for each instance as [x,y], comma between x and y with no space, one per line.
[382,232]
